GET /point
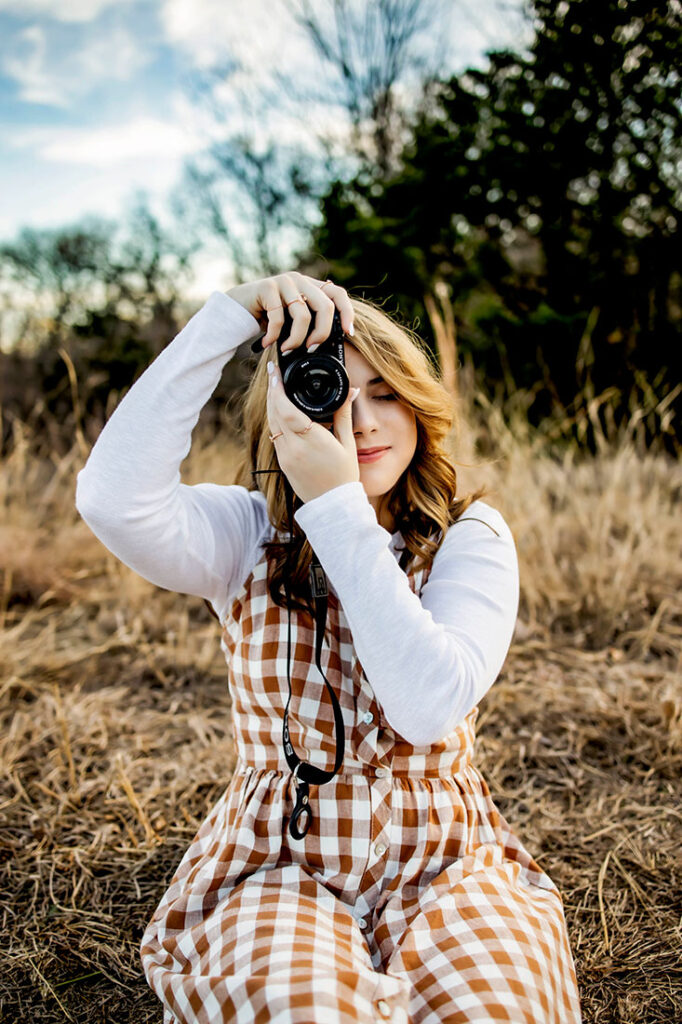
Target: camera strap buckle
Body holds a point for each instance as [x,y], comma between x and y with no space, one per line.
[301,807]
[318,580]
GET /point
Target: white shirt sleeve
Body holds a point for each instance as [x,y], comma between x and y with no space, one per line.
[428,661]
[201,539]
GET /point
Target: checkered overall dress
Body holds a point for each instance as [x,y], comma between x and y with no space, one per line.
[409,899]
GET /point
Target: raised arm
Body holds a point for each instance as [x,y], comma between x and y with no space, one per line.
[429,662]
[195,540]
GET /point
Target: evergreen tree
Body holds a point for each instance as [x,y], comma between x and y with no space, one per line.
[544,191]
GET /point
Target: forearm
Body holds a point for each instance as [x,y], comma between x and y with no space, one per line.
[134,466]
[428,667]
[198,539]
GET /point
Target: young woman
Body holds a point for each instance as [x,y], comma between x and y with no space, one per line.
[356,867]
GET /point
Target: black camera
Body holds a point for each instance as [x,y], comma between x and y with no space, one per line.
[316,382]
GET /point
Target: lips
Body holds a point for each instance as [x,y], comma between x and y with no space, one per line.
[371,454]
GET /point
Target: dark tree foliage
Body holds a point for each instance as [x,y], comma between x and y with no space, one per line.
[544,191]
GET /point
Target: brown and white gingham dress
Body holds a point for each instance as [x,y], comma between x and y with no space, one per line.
[410,898]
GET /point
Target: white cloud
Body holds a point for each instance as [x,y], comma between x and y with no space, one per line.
[68,192]
[60,10]
[258,34]
[28,69]
[263,37]
[56,78]
[55,175]
[264,34]
[493,24]
[139,139]
[117,56]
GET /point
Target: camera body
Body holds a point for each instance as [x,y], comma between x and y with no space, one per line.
[315,382]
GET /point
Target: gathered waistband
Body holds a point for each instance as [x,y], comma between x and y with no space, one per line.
[371,771]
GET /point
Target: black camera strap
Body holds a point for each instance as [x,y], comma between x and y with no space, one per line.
[306,774]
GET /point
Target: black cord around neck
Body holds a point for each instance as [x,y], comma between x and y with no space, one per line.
[304,773]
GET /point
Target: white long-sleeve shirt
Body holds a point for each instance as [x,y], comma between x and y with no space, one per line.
[428,661]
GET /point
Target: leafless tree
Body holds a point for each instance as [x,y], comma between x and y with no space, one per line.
[378,57]
[375,57]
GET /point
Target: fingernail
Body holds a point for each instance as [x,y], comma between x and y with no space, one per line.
[354,392]
[313,347]
[351,330]
[271,367]
[273,380]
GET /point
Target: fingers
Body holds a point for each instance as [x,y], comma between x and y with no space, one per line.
[340,300]
[291,287]
[323,305]
[321,299]
[283,414]
[276,294]
[271,302]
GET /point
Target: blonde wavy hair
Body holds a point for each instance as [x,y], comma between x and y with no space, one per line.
[422,503]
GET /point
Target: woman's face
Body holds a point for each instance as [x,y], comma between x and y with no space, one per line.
[379,421]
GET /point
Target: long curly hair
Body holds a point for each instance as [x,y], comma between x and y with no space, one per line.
[422,503]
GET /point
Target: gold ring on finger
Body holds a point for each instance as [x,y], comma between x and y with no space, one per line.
[306,429]
[273,437]
[299,298]
[328,281]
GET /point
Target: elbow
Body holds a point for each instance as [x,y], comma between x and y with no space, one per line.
[84,503]
[91,504]
[429,733]
[424,738]
[431,737]
[450,705]
[421,740]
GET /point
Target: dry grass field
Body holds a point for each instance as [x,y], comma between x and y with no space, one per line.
[116,734]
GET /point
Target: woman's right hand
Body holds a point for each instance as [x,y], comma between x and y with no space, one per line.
[266,298]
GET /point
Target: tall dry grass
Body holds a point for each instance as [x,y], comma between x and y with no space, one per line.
[116,719]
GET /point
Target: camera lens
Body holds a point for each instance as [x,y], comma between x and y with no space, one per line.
[318,388]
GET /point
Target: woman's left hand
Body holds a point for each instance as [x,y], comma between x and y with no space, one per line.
[315,461]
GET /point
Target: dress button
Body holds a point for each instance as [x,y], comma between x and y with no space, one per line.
[380,849]
[383,1008]
[368,717]
[382,773]
[362,922]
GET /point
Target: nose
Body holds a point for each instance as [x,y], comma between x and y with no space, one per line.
[364,415]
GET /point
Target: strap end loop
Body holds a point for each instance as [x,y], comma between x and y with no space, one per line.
[302,807]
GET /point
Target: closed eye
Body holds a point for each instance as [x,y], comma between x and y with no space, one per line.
[386,398]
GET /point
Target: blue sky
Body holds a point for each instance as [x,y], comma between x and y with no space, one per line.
[92,106]
[98,97]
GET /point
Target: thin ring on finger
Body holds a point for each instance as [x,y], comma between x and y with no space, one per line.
[299,298]
[273,437]
[351,330]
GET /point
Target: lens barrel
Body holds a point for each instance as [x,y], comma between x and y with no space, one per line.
[317,382]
